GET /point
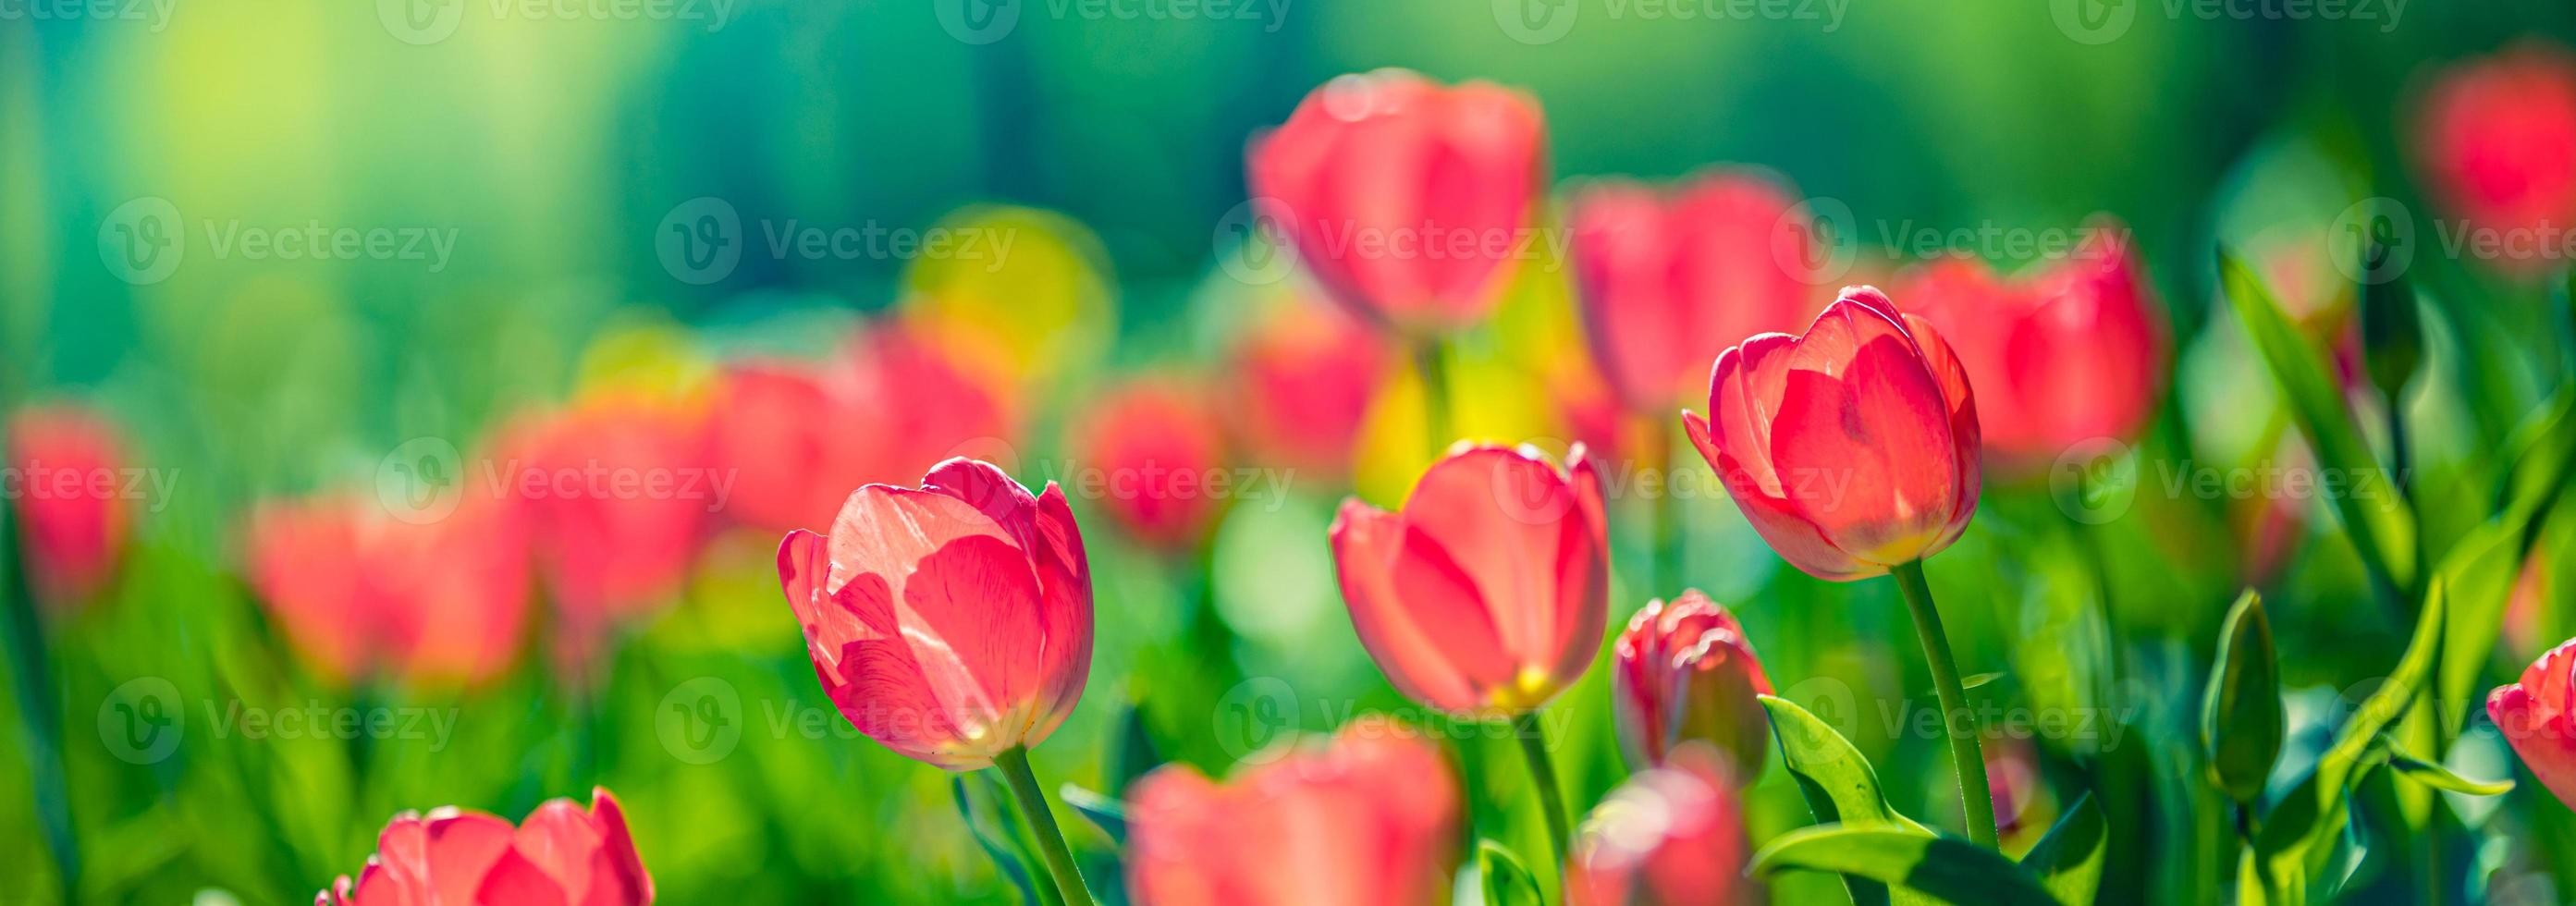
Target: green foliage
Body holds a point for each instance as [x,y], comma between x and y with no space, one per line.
[2241,720]
[1507,882]
[2068,860]
[1943,868]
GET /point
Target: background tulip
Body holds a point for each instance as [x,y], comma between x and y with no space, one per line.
[562,855]
[1303,377]
[1672,835]
[1851,448]
[1488,592]
[2071,353]
[2498,145]
[2535,716]
[1153,443]
[1369,820]
[949,622]
[1669,279]
[1685,671]
[1376,178]
[363,594]
[70,497]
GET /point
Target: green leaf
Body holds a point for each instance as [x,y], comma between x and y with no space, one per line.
[2069,859]
[1839,784]
[1507,881]
[1001,853]
[2369,506]
[1944,868]
[1133,754]
[2441,778]
[2241,722]
[1980,679]
[1103,812]
[2480,568]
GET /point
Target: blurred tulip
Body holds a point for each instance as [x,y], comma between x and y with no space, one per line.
[1488,592]
[362,594]
[949,622]
[1370,820]
[2498,145]
[620,489]
[2012,773]
[69,491]
[2072,354]
[784,431]
[1851,448]
[1304,375]
[2534,716]
[1672,835]
[1154,443]
[1686,671]
[562,855]
[1407,199]
[925,403]
[1669,280]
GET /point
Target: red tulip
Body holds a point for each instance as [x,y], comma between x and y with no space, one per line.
[1487,593]
[1686,671]
[1668,280]
[1371,820]
[563,855]
[66,477]
[2535,717]
[1405,198]
[1153,444]
[361,594]
[1851,448]
[985,652]
[2071,354]
[783,429]
[1305,374]
[925,401]
[1671,836]
[2499,147]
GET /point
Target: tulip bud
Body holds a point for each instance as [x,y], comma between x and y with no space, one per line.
[72,520]
[562,853]
[2241,721]
[2390,334]
[1686,671]
[1153,442]
[2533,714]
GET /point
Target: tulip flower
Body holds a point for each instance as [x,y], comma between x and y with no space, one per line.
[783,430]
[2498,145]
[2072,354]
[1686,671]
[1406,199]
[951,623]
[562,855]
[2535,717]
[1673,835]
[1304,375]
[69,494]
[1152,444]
[362,594]
[1369,820]
[1487,594]
[1852,450]
[1669,279]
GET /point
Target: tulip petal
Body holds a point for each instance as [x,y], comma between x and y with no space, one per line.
[885,530]
[1064,576]
[971,616]
[1583,573]
[984,486]
[620,877]
[1964,432]
[1367,544]
[1778,521]
[878,683]
[520,882]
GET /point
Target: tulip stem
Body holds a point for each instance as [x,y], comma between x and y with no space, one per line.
[1533,736]
[1430,362]
[1976,799]
[1014,765]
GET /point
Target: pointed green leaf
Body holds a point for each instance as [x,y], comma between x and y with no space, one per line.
[1002,854]
[1839,783]
[2441,778]
[1944,868]
[2068,860]
[1507,881]
[1103,812]
[2241,721]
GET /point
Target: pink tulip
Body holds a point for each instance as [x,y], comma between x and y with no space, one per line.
[563,855]
[2535,717]
[949,622]
[1371,820]
[68,486]
[1686,671]
[1305,374]
[362,594]
[1487,593]
[2498,144]
[1851,448]
[1671,836]
[1408,200]
[1153,443]
[1670,279]
[783,429]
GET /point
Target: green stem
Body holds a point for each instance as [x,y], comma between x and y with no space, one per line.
[1975,798]
[1430,361]
[1668,514]
[1014,765]
[1533,736]
[32,676]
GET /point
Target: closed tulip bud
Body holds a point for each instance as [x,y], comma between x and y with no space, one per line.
[1851,448]
[1671,836]
[71,507]
[1685,671]
[2241,721]
[2534,715]
[562,855]
[949,622]
[1154,443]
[1369,820]
[1487,593]
[1406,199]
[2391,334]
